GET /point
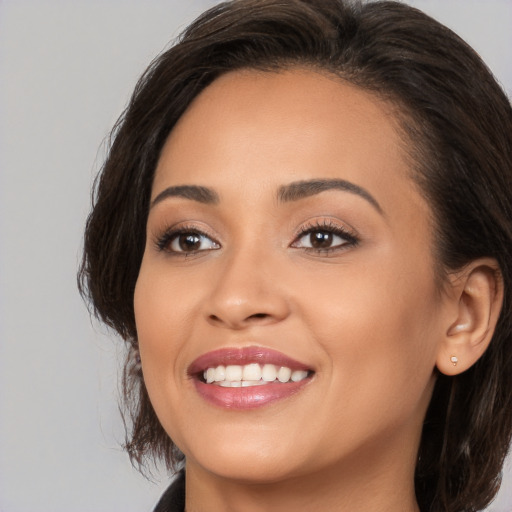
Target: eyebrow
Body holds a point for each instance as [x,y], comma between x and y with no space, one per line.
[302,189]
[287,193]
[195,193]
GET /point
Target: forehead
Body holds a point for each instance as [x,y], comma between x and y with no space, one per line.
[276,127]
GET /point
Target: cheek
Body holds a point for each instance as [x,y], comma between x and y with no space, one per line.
[163,325]
[379,331]
[164,313]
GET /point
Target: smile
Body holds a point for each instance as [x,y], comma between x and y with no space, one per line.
[246,378]
[251,375]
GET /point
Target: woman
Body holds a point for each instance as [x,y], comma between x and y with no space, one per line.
[303,232]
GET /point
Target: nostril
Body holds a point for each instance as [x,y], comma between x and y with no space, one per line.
[258,316]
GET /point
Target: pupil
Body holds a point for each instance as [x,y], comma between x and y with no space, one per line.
[321,240]
[189,242]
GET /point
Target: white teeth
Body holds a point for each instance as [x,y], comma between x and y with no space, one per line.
[241,384]
[269,373]
[247,383]
[251,375]
[220,373]
[284,374]
[233,372]
[210,375]
[252,372]
[298,375]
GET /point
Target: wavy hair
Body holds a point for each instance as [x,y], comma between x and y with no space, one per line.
[457,130]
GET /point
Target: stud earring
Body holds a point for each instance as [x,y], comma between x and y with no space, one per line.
[454,360]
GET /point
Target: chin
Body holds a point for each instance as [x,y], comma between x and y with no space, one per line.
[247,457]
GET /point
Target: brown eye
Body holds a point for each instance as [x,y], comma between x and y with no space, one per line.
[324,239]
[190,242]
[320,239]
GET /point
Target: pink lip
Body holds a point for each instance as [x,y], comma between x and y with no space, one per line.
[245,397]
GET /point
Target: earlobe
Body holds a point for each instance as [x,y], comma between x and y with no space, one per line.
[478,292]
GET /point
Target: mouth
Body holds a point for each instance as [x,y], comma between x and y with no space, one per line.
[248,377]
[252,374]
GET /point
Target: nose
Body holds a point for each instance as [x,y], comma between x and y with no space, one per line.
[246,291]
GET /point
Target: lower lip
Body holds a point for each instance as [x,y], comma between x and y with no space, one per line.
[250,397]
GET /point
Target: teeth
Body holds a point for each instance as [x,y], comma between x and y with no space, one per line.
[253,374]
[231,384]
[298,375]
[248,383]
[269,373]
[284,374]
[233,372]
[210,375]
[241,384]
[220,373]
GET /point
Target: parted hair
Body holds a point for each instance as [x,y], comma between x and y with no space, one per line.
[456,127]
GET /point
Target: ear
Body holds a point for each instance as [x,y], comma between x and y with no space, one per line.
[477,293]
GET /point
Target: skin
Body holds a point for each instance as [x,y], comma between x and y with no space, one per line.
[368,318]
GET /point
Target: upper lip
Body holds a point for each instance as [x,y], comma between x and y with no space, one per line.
[242,356]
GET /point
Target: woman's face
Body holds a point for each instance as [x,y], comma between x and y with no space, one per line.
[285,232]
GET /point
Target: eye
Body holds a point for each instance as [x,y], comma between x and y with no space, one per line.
[324,238]
[191,242]
[321,240]
[186,242]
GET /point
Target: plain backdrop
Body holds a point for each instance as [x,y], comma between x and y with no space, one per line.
[67,69]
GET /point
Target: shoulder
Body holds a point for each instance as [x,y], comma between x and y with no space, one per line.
[173,499]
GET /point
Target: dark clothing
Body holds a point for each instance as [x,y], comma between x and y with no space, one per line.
[173,499]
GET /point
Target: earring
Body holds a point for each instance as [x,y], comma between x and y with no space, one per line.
[454,360]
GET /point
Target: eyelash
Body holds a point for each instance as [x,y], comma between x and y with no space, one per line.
[326,226]
[329,227]
[163,242]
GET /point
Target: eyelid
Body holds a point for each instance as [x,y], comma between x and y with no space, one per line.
[327,225]
[174,244]
[166,235]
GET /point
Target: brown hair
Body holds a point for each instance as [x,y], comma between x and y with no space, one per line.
[458,123]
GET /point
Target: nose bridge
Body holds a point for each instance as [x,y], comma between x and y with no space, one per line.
[247,289]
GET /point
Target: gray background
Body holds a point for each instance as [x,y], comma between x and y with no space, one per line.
[66,71]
